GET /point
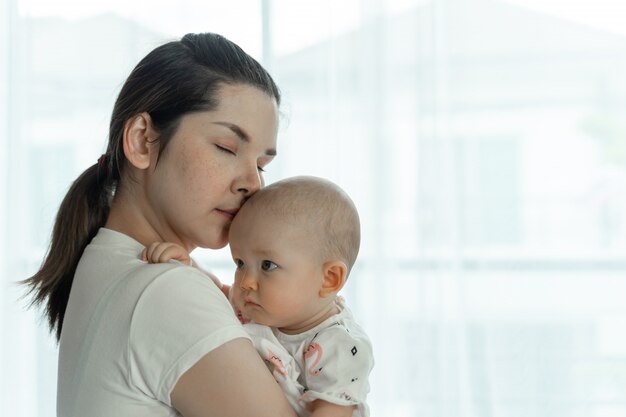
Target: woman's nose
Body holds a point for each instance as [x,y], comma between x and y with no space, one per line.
[249,182]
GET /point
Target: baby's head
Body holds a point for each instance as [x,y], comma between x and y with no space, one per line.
[294,243]
[312,212]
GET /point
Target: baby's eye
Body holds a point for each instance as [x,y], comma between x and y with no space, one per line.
[239,263]
[268,265]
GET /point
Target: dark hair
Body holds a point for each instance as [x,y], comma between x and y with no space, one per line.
[174,79]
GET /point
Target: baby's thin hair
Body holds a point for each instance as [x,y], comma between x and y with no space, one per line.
[320,208]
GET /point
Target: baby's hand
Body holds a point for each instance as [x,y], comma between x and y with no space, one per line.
[163,252]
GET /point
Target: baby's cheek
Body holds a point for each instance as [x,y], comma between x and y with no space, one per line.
[234,295]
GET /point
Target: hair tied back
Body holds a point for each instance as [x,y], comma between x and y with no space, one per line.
[103,167]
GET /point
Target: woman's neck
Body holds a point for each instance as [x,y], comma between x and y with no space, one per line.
[127,216]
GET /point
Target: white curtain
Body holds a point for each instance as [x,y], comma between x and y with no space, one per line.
[483,141]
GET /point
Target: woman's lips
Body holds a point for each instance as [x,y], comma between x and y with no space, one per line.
[229,213]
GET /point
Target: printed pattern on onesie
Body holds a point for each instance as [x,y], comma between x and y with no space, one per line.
[337,367]
[330,362]
[280,363]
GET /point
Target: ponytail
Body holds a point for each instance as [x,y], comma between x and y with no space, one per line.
[83,211]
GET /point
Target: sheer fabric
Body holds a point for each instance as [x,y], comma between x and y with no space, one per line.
[483,142]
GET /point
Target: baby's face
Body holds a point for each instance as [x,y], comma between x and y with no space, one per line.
[279,274]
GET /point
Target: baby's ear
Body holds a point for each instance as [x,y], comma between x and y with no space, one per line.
[334,277]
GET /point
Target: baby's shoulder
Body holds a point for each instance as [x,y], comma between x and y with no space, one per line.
[340,332]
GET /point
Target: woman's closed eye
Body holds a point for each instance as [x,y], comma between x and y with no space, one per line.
[268,265]
[226,149]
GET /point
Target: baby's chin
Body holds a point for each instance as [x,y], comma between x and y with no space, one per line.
[242,319]
[245,319]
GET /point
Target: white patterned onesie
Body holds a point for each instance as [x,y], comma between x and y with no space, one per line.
[330,362]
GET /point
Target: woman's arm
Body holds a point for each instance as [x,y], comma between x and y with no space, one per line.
[230,381]
[323,408]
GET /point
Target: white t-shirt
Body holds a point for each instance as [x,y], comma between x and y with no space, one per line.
[131,329]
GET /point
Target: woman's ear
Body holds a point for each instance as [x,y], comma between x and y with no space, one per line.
[139,141]
[334,277]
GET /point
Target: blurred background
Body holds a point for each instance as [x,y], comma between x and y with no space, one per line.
[483,141]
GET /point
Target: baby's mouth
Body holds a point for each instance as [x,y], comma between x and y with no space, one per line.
[250,303]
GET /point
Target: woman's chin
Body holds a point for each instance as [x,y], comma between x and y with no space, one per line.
[215,244]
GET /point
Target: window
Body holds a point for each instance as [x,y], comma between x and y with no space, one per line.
[483,142]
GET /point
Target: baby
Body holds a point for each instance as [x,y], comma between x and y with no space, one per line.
[294,243]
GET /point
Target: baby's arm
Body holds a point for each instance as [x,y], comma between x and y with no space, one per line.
[163,252]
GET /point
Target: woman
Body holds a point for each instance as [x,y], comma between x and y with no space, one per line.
[193,126]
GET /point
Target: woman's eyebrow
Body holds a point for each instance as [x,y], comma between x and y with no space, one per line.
[236,130]
[243,136]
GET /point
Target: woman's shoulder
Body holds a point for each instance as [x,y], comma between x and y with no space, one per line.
[118,255]
[176,280]
[112,239]
[180,306]
[111,267]
[179,316]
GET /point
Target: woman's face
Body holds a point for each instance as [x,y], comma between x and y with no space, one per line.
[212,163]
